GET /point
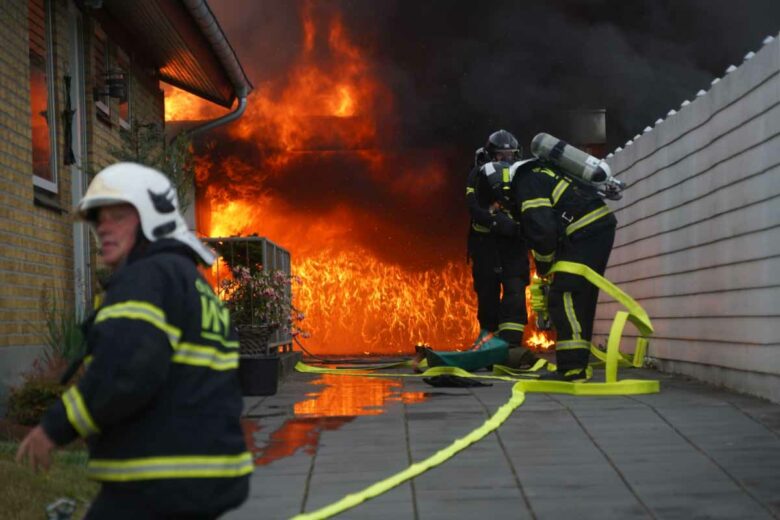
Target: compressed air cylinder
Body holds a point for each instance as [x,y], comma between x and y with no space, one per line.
[574,161]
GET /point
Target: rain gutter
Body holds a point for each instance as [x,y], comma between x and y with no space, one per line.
[208,25]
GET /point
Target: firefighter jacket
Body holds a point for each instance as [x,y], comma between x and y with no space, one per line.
[482,207]
[555,211]
[159,402]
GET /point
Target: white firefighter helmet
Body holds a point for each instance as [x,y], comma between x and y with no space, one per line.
[152,195]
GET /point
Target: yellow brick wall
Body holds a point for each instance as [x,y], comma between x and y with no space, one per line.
[146,106]
[37,242]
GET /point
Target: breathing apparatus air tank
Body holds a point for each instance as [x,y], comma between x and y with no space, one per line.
[577,164]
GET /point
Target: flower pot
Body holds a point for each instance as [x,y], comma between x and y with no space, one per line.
[258,374]
[253,339]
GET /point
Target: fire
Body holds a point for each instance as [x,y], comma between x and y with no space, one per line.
[329,115]
[180,105]
[356,304]
[354,395]
[339,401]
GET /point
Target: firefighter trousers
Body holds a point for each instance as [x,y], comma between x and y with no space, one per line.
[499,268]
[572,299]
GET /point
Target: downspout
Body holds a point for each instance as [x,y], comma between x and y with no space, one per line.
[222,120]
[205,19]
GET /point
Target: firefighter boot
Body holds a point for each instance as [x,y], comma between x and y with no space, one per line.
[577,375]
[520,358]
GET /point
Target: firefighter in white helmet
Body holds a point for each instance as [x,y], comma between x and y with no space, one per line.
[159,402]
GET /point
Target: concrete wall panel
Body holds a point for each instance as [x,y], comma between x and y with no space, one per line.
[698,242]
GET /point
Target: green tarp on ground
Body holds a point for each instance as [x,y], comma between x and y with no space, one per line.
[471,359]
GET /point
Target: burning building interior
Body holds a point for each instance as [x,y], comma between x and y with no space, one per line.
[353,150]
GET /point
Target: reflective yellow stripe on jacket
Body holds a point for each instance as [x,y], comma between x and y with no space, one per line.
[558,190]
[204,356]
[138,310]
[219,339]
[542,202]
[588,218]
[184,353]
[78,415]
[192,466]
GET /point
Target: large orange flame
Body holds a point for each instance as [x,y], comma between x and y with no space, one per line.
[355,302]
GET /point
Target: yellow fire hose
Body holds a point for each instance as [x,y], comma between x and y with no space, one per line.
[611,358]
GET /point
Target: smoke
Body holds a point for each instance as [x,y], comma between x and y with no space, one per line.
[461,68]
[457,70]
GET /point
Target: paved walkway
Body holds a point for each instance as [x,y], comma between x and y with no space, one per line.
[691,451]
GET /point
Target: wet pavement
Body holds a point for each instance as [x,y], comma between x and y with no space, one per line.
[691,451]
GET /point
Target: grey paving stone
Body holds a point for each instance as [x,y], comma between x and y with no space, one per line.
[464,478]
[324,492]
[580,509]
[684,505]
[267,508]
[689,452]
[435,504]
[277,485]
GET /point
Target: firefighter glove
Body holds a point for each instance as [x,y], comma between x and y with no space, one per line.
[503,225]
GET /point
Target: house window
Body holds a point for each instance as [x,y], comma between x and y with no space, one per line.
[123,94]
[43,114]
[100,65]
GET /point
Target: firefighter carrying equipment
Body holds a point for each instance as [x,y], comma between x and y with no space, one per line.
[553,211]
[578,165]
[152,195]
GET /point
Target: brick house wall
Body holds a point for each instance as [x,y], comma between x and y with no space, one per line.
[36,228]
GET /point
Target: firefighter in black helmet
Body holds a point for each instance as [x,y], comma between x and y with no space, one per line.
[496,249]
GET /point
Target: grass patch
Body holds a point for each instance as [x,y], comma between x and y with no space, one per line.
[25,495]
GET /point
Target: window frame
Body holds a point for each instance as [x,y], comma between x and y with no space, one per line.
[124,64]
[102,102]
[40,182]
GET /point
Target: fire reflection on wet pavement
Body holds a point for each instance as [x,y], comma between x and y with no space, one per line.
[336,401]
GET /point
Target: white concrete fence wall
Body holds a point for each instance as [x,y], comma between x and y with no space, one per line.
[698,240]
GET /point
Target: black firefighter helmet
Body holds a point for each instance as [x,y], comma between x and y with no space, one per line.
[502,141]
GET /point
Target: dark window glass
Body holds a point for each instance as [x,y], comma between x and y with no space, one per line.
[100,64]
[123,70]
[39,93]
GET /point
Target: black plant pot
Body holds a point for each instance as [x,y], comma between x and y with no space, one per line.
[259,374]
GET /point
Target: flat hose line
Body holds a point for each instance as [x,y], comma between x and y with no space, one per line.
[523,383]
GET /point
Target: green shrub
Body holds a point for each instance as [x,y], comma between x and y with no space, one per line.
[28,402]
[63,336]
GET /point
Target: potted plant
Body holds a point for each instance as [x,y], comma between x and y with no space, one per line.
[260,302]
